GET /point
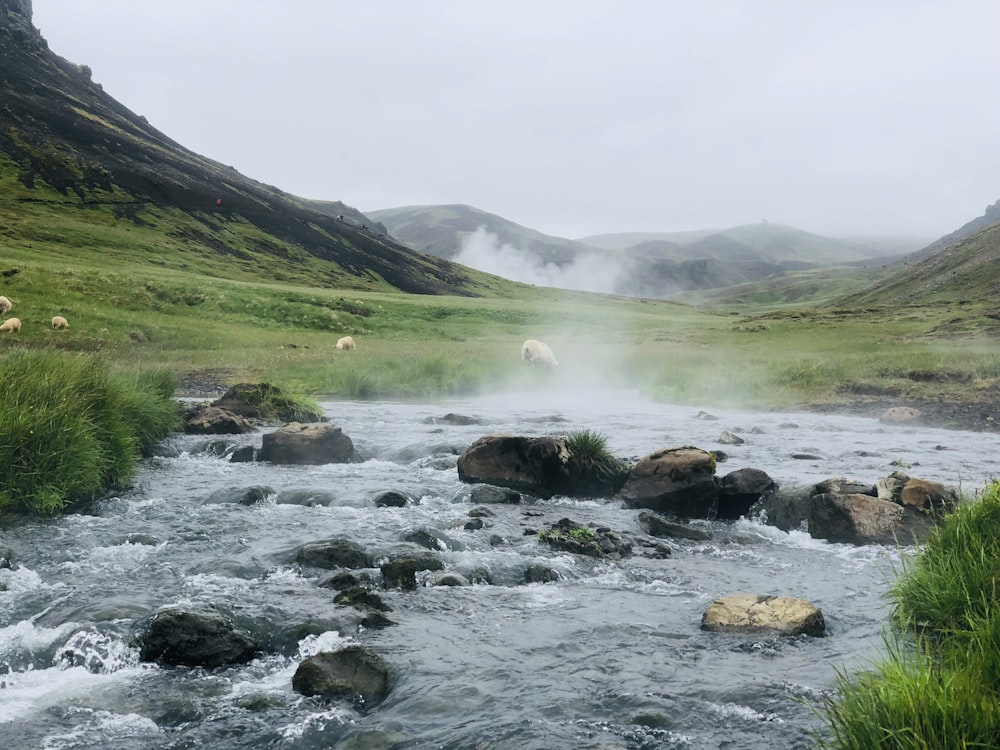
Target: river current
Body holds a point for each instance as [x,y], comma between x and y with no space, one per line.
[610,655]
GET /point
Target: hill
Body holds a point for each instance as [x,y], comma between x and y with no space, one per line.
[768,242]
[632,264]
[965,271]
[66,144]
[442,231]
[990,217]
[961,268]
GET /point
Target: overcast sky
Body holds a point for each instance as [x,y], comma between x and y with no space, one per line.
[576,117]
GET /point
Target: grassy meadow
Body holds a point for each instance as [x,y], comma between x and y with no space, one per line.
[148,286]
[416,346]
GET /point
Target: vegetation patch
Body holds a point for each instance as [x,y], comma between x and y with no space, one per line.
[592,465]
[569,536]
[938,686]
[70,428]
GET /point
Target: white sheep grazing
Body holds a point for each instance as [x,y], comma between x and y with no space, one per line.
[347,342]
[538,353]
[11,324]
[59,323]
[5,305]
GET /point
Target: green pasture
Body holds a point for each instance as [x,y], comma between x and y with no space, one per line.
[153,287]
[415,346]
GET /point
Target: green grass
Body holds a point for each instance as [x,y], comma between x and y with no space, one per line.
[590,453]
[938,686]
[909,702]
[954,581]
[71,429]
[154,287]
[423,346]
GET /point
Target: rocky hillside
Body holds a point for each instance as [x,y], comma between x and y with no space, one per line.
[65,139]
[633,264]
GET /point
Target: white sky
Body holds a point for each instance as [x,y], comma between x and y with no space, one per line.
[576,117]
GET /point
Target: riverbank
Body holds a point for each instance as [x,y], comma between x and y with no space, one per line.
[944,692]
[974,411]
[977,411]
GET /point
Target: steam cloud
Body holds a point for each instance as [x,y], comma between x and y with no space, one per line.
[483,251]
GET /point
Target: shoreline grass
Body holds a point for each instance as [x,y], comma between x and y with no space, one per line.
[938,685]
[71,428]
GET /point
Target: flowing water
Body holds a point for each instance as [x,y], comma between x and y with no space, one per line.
[611,655]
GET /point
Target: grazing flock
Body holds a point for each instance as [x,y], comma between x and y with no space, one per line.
[535,353]
[13,325]
[538,354]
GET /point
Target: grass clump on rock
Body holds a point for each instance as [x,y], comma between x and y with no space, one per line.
[939,685]
[70,428]
[592,463]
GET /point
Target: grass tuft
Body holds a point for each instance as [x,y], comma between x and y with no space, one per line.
[590,451]
[942,688]
[70,429]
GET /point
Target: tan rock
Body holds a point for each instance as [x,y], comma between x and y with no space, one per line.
[754,613]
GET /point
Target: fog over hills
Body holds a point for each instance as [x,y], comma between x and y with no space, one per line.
[641,264]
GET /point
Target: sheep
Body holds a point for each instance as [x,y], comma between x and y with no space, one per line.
[538,353]
[59,323]
[347,342]
[11,324]
[5,305]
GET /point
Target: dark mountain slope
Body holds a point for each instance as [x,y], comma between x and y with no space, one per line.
[62,130]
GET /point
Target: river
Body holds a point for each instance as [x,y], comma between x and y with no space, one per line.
[610,655]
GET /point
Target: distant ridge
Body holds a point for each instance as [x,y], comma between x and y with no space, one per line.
[638,264]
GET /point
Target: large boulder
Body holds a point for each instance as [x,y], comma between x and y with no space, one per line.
[263,401]
[536,465]
[919,494]
[789,508]
[540,466]
[242,407]
[298,443]
[753,613]
[195,637]
[330,554]
[740,490]
[353,673]
[897,509]
[855,519]
[678,481]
